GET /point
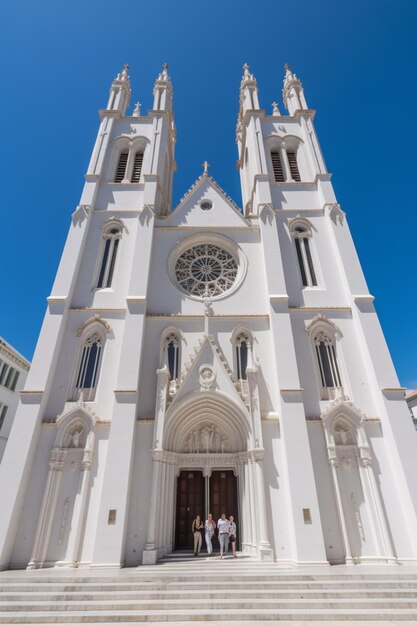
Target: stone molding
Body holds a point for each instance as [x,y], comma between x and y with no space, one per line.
[207,460]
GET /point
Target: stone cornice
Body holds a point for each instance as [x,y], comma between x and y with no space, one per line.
[366,297]
[231,316]
[136,299]
[207,228]
[98,309]
[317,309]
[14,356]
[279,297]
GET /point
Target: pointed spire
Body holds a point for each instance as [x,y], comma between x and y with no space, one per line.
[293,93]
[248,99]
[162,91]
[247,76]
[120,92]
[124,73]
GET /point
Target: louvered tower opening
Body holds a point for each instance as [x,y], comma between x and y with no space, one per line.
[137,167]
[121,167]
[292,160]
[277,167]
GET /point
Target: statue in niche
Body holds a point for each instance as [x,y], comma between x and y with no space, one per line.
[206,438]
[75,438]
[216,441]
[224,442]
[192,442]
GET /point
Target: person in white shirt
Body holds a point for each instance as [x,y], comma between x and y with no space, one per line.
[223,526]
[209,528]
[232,534]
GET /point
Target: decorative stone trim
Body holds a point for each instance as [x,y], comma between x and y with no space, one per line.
[92,320]
[207,460]
[13,356]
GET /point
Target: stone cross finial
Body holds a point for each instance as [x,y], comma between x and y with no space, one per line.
[205,165]
[275,109]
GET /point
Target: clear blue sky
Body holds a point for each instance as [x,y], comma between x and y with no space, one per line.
[356,59]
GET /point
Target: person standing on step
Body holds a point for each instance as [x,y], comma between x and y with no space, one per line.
[196,528]
[232,534]
[223,526]
[209,528]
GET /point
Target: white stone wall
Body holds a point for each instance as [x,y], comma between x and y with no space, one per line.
[307,494]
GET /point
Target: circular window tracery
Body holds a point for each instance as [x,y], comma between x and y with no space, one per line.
[206,270]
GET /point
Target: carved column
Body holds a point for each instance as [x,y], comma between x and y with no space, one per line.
[371,489]
[160,405]
[334,464]
[247,538]
[47,512]
[79,523]
[254,405]
[252,502]
[264,547]
[150,553]
[161,514]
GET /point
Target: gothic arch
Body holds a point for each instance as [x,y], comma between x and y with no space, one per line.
[322,323]
[199,410]
[116,221]
[68,424]
[345,415]
[301,221]
[165,334]
[102,326]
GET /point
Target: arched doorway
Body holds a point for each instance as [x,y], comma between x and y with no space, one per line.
[200,495]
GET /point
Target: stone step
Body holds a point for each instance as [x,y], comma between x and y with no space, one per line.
[195,592]
[179,582]
[200,604]
[295,615]
[189,594]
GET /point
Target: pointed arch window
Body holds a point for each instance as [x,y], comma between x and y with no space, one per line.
[294,171]
[88,367]
[137,167]
[242,344]
[121,166]
[327,361]
[111,238]
[277,166]
[302,236]
[171,355]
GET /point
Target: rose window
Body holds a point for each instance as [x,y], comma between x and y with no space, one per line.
[206,270]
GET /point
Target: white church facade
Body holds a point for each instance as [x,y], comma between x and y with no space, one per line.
[207,358]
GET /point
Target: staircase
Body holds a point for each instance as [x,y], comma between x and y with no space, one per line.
[189,590]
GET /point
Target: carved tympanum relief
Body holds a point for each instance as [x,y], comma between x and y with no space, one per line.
[207,438]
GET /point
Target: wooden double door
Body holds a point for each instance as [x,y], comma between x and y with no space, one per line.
[197,495]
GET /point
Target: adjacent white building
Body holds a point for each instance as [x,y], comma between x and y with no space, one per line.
[209,357]
[13,373]
[411,398]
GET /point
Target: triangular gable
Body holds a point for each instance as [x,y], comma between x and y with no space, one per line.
[208,354]
[223,212]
